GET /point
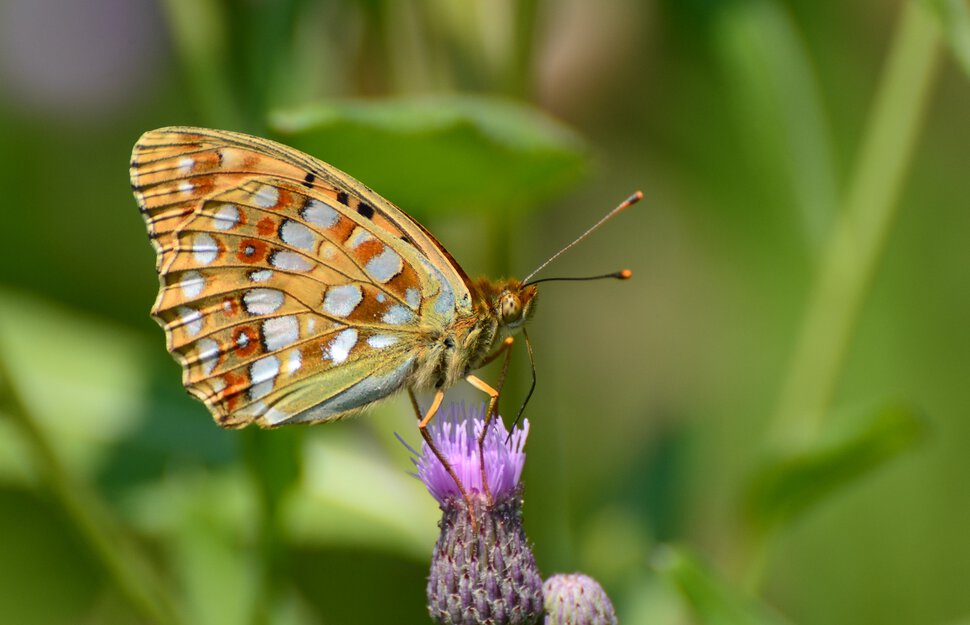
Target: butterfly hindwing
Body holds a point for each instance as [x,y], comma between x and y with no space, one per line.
[289,292]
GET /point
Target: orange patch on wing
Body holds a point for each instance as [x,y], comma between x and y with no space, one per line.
[206,161]
[406,279]
[266,226]
[342,229]
[252,251]
[202,185]
[368,250]
[236,383]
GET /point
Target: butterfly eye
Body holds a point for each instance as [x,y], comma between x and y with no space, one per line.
[509,308]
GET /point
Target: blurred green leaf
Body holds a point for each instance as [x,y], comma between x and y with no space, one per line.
[778,103]
[955,18]
[83,379]
[788,486]
[437,154]
[205,521]
[351,496]
[711,600]
[43,557]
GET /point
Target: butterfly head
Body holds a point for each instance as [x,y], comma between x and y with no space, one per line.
[515,303]
[511,302]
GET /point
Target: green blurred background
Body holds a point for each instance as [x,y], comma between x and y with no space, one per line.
[768,424]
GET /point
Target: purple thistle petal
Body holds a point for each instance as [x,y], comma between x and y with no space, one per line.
[455,432]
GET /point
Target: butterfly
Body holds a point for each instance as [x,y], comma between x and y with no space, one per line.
[292,293]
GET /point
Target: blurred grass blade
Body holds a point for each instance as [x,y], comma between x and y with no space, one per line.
[438,154]
[778,104]
[853,251]
[785,488]
[954,16]
[710,599]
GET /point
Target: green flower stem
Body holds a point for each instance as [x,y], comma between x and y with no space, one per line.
[852,254]
[126,562]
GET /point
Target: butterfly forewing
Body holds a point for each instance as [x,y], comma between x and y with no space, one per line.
[289,292]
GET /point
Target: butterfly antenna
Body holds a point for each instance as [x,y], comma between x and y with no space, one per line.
[627,203]
[532,388]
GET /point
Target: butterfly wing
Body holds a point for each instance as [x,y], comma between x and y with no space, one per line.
[289,291]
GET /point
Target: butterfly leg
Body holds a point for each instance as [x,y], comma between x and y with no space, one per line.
[492,411]
[423,428]
[493,395]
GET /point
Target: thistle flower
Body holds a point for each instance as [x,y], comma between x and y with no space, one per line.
[482,571]
[576,599]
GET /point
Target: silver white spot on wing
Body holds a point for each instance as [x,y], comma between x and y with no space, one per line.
[280,332]
[444,303]
[290,261]
[261,376]
[384,266]
[275,416]
[320,214]
[297,235]
[204,248]
[413,297]
[191,284]
[262,301]
[341,300]
[293,362]
[191,320]
[208,354]
[339,348]
[226,218]
[260,275]
[358,236]
[267,196]
[380,341]
[186,187]
[185,165]
[397,315]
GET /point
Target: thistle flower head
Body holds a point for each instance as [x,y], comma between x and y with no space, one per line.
[576,599]
[482,568]
[455,431]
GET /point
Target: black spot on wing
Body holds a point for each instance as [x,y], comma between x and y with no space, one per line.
[308,180]
[343,198]
[366,210]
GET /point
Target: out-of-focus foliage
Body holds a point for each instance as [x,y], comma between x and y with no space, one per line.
[696,443]
[479,140]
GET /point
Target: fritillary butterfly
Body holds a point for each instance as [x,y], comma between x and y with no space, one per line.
[292,293]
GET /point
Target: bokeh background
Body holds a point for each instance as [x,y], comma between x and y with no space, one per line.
[768,424]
